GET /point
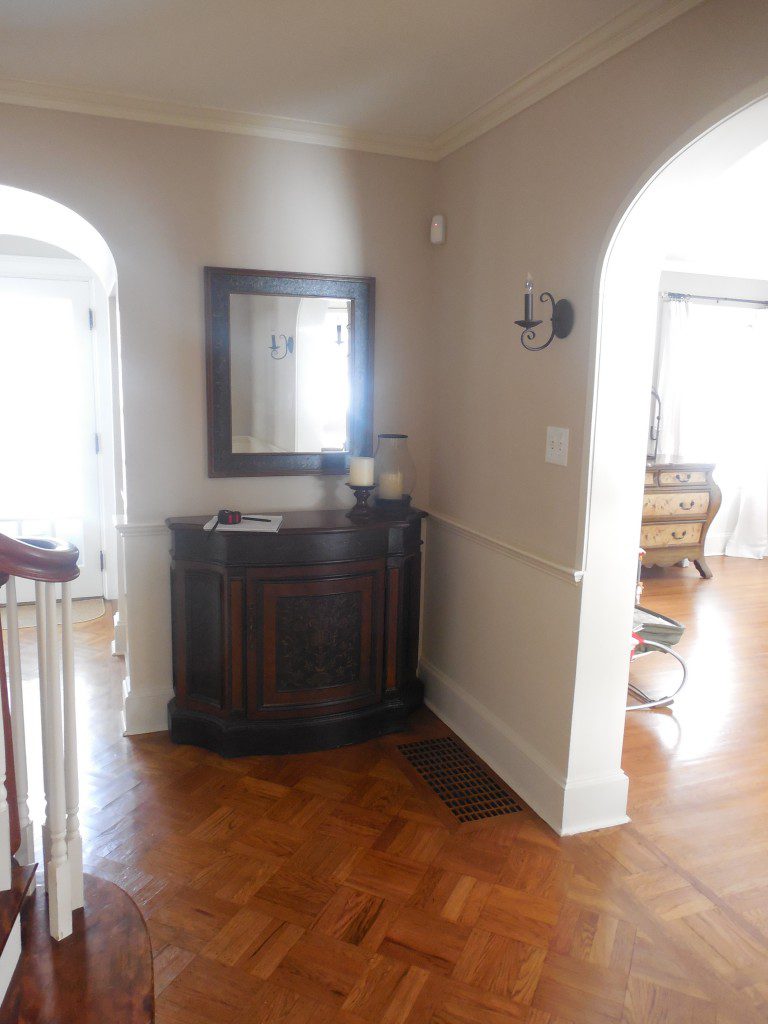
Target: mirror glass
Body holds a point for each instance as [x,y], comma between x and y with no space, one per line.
[289,373]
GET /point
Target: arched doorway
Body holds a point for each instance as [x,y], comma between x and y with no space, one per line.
[628,298]
[62,462]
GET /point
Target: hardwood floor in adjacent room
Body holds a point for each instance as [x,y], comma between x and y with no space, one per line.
[335,887]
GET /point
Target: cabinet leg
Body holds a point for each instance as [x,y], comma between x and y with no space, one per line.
[701,564]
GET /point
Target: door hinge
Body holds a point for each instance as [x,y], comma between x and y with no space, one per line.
[96,444]
[101,560]
[90,319]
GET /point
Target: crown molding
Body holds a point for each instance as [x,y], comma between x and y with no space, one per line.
[605,42]
[627,28]
[135,108]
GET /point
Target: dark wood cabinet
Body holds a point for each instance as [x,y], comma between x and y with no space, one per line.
[301,640]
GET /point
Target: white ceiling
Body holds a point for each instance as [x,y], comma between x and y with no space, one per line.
[401,73]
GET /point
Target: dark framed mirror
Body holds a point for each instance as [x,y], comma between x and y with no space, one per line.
[289,371]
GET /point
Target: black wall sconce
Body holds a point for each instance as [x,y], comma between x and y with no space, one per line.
[280,349]
[561,319]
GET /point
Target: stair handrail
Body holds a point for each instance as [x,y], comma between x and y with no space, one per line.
[38,558]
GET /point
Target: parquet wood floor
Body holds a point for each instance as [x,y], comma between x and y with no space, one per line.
[334,887]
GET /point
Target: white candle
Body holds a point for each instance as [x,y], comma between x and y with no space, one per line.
[391,486]
[528,297]
[361,471]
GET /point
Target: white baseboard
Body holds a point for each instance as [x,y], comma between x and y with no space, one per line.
[568,807]
[144,712]
[590,804]
[10,957]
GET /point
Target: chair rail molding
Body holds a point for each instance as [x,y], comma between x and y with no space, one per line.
[564,573]
[141,529]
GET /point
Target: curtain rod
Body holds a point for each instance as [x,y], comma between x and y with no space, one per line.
[712,298]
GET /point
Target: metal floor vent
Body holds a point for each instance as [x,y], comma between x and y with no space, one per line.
[464,784]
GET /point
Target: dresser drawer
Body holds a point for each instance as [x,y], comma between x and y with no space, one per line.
[675,505]
[670,535]
[684,477]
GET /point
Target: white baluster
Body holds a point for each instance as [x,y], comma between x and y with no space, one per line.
[26,852]
[41,672]
[59,890]
[74,839]
[5,820]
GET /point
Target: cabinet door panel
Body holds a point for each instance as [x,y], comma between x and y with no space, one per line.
[402,627]
[320,642]
[200,638]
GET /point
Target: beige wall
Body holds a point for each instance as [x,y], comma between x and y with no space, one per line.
[543,192]
[169,201]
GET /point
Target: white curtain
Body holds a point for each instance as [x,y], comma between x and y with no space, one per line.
[712,376]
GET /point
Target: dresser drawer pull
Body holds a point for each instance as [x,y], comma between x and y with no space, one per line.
[682,478]
[688,507]
[679,536]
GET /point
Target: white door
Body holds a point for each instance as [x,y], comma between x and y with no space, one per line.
[49,482]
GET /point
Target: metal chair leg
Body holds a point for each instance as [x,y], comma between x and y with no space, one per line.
[660,702]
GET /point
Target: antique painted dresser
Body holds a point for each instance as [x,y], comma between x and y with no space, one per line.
[679,503]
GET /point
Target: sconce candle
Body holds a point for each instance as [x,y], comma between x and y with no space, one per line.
[528,297]
[361,471]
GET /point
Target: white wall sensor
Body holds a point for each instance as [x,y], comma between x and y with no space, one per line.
[437,229]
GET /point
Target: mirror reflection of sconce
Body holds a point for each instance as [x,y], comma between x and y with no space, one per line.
[280,349]
[339,329]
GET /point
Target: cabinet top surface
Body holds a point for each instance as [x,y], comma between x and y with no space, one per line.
[310,521]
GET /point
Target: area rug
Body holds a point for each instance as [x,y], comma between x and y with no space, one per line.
[83,610]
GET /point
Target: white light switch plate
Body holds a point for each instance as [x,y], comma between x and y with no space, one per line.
[557,446]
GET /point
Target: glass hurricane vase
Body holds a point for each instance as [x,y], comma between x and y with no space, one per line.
[395,472]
